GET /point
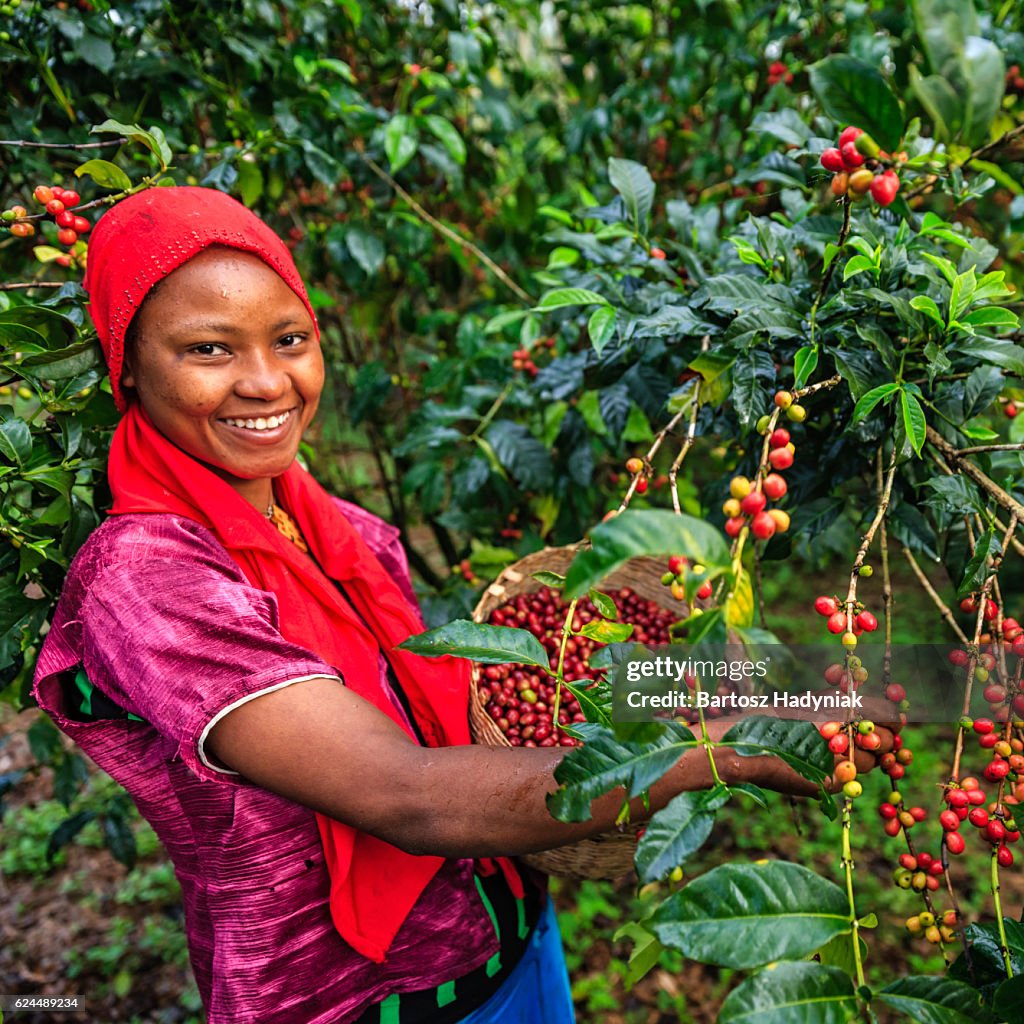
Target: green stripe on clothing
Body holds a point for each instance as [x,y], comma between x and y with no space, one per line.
[494,964]
[445,994]
[524,931]
[389,1009]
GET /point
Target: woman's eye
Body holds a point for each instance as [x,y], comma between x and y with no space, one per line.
[208,348]
[291,340]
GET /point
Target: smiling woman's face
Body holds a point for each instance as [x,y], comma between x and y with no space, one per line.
[228,367]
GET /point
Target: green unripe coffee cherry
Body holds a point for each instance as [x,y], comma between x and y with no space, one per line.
[966,722]
[866,570]
[797,413]
[667,579]
[852,789]
[676,875]
[864,728]
[762,424]
[927,918]
[853,663]
[866,146]
[919,881]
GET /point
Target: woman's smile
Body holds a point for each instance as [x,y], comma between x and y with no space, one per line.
[228,367]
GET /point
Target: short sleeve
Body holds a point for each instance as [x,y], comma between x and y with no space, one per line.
[181,645]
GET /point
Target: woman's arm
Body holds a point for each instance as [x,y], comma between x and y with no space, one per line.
[319,744]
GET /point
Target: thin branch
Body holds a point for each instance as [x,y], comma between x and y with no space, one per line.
[448,233]
[991,448]
[980,153]
[943,608]
[968,468]
[27,144]
[16,285]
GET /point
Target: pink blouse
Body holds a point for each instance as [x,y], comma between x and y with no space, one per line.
[166,625]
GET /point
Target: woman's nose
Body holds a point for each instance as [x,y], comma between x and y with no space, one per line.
[262,375]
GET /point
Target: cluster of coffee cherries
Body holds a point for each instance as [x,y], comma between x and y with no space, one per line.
[835,612]
[935,930]
[520,698]
[967,802]
[1014,78]
[522,358]
[675,578]
[7,8]
[838,736]
[60,203]
[859,166]
[779,72]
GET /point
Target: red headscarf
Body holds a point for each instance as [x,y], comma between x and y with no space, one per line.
[140,241]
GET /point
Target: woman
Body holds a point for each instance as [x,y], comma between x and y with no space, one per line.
[225,647]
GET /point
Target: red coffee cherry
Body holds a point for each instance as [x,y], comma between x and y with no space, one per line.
[779,438]
[867,621]
[763,526]
[780,458]
[826,605]
[67,237]
[836,622]
[69,197]
[774,486]
[955,843]
[82,225]
[832,160]
[54,206]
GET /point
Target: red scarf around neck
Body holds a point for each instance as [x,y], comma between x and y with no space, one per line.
[373,884]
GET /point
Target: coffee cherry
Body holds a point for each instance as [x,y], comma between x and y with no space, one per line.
[851,158]
[66,219]
[845,771]
[983,726]
[774,486]
[780,458]
[955,843]
[836,622]
[839,744]
[735,525]
[732,508]
[865,570]
[69,197]
[783,399]
[1010,409]
[634,466]
[67,237]
[895,693]
[832,160]
[656,253]
[762,425]
[82,225]
[779,438]
[641,485]
[853,789]
[884,187]
[860,181]
[762,526]
[949,820]
[740,487]
[54,206]
[676,564]
[704,591]
[840,184]
[827,606]
[969,605]
[849,134]
[867,622]
[797,413]
[781,519]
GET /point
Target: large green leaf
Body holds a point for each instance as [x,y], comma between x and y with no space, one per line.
[943,27]
[1009,999]
[983,70]
[526,459]
[560,298]
[648,532]
[105,174]
[605,762]
[913,420]
[15,440]
[489,645]
[636,186]
[986,967]
[796,742]
[868,401]
[677,831]
[792,993]
[854,93]
[747,915]
[936,1001]
[977,568]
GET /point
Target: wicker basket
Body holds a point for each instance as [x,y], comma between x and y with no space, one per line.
[609,855]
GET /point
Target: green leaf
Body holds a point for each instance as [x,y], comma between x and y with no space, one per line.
[1008,1000]
[796,742]
[711,364]
[449,135]
[747,253]
[489,645]
[648,532]
[997,351]
[928,306]
[913,420]
[250,180]
[153,139]
[991,316]
[792,993]
[367,249]
[15,441]
[560,298]
[606,632]
[605,762]
[636,186]
[940,101]
[961,293]
[549,579]
[595,699]
[645,953]
[739,604]
[47,253]
[977,568]
[677,831]
[805,362]
[871,399]
[400,141]
[857,265]
[601,327]
[932,1000]
[854,93]
[518,451]
[943,26]
[105,174]
[983,71]
[64,363]
[746,915]
[604,604]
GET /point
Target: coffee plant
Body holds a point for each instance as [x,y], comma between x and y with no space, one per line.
[715,290]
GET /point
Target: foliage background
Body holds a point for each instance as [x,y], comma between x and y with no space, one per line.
[431,165]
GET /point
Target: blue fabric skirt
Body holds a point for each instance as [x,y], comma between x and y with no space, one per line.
[537,990]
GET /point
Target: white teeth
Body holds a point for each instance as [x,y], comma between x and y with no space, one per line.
[261,422]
